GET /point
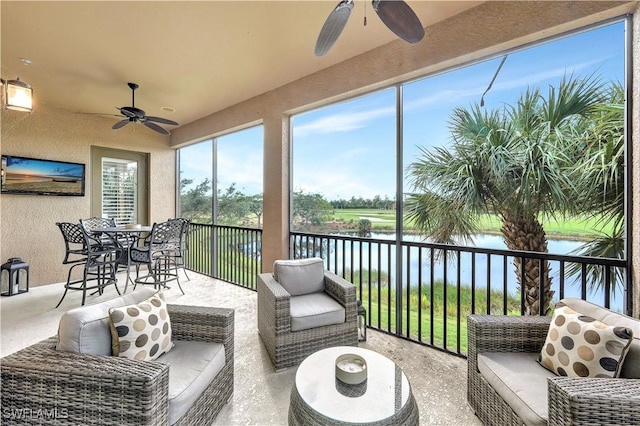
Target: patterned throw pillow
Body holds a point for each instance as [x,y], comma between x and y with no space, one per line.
[141,331]
[580,346]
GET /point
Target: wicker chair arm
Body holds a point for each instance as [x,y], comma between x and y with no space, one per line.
[495,333]
[203,324]
[342,291]
[274,308]
[81,389]
[274,287]
[593,401]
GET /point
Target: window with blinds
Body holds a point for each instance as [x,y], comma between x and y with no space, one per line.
[120,190]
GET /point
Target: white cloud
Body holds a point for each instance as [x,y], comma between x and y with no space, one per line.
[523,80]
[342,122]
[245,171]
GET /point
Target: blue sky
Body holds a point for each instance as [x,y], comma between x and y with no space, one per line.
[348,149]
[29,166]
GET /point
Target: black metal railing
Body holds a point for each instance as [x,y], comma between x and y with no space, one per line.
[425,292]
[228,253]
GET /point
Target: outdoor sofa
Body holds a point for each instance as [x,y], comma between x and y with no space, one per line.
[73,379]
[507,386]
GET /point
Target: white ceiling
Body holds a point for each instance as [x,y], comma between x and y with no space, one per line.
[196,57]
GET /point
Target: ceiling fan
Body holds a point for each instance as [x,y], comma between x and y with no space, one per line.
[134,115]
[395,14]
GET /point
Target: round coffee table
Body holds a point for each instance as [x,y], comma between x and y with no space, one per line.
[318,398]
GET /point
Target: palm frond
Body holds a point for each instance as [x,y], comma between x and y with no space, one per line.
[604,246]
[438,219]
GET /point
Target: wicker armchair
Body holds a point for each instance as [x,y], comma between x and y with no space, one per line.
[571,401]
[287,348]
[43,386]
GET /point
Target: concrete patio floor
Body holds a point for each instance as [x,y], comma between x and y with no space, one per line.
[261,396]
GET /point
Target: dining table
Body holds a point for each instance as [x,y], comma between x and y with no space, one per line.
[125,237]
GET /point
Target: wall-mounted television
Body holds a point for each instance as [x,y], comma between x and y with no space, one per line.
[24,175]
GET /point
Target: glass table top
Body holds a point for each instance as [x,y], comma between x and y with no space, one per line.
[382,395]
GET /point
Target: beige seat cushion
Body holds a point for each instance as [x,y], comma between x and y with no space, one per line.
[520,381]
[315,310]
[300,276]
[86,329]
[192,366]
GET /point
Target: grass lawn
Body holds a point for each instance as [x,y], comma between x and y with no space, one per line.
[384,220]
[427,317]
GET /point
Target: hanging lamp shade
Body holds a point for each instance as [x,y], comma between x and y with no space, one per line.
[18,95]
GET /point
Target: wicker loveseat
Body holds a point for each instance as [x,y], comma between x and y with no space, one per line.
[507,386]
[45,385]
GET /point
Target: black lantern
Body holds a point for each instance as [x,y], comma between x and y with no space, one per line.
[14,277]
[362,323]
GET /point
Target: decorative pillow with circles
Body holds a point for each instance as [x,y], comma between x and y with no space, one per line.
[141,331]
[580,346]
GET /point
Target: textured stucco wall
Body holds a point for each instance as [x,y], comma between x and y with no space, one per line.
[27,222]
[485,30]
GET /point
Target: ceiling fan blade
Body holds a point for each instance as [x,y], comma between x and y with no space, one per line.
[400,18]
[333,27]
[120,124]
[154,126]
[99,113]
[161,120]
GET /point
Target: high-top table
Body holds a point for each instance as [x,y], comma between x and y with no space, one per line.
[118,231]
[318,398]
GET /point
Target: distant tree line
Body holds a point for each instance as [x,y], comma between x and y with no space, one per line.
[236,208]
[376,202]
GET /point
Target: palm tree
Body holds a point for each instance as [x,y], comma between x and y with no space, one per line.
[518,163]
[601,175]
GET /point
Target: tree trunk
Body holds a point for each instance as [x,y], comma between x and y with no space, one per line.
[526,233]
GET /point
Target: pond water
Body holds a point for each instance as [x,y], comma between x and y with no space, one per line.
[495,265]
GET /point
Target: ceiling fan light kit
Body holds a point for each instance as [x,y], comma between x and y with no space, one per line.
[134,115]
[395,14]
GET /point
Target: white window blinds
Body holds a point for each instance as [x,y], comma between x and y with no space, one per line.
[120,190]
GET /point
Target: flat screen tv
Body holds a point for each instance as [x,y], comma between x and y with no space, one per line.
[24,175]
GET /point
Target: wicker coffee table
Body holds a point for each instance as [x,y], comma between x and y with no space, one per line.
[318,398]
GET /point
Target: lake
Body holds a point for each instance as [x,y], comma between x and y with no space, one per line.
[496,273]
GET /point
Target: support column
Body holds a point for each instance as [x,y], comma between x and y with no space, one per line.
[275,235]
[634,103]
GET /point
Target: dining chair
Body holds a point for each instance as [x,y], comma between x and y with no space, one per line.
[122,242]
[74,243]
[160,255]
[183,247]
[94,223]
[98,259]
